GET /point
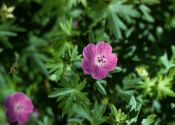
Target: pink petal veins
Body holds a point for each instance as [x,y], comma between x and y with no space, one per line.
[103,48]
[99,73]
[89,52]
[111,62]
[87,66]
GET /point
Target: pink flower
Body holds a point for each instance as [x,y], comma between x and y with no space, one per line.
[18,107]
[98,60]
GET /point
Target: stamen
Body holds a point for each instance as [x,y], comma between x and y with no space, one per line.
[18,107]
[100,60]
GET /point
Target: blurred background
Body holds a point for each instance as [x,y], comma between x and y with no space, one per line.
[41,43]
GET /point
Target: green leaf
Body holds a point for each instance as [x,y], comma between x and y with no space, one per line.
[94,116]
[164,87]
[124,94]
[73,53]
[69,95]
[173,50]
[63,47]
[133,103]
[1,49]
[55,70]
[66,27]
[166,62]
[134,111]
[7,34]
[39,60]
[62,92]
[151,2]
[83,112]
[146,13]
[97,114]
[117,116]
[117,69]
[149,120]
[173,56]
[116,11]
[45,121]
[84,3]
[117,25]
[72,3]
[100,87]
[5,42]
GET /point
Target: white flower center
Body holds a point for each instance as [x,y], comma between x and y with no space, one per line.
[100,60]
[19,107]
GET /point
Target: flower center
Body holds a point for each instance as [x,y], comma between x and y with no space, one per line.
[100,60]
[19,107]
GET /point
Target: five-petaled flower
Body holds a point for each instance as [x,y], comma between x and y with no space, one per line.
[98,60]
[18,108]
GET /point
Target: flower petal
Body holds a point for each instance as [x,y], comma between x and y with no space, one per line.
[9,108]
[22,117]
[111,62]
[89,52]
[87,66]
[28,106]
[103,48]
[99,73]
[11,116]
[18,96]
[8,102]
